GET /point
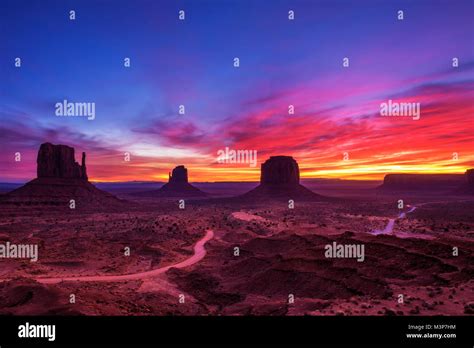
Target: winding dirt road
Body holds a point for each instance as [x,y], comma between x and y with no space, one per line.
[199,253]
[391,222]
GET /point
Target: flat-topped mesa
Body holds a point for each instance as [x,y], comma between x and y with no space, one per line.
[58,161]
[179,175]
[280,180]
[417,182]
[280,170]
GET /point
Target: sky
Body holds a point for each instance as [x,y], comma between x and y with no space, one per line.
[336,130]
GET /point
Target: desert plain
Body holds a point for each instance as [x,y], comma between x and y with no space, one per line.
[263,258]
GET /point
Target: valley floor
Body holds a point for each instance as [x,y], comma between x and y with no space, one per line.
[262,258]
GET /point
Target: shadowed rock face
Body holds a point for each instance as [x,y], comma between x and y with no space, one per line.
[279,179]
[280,170]
[58,161]
[468,187]
[421,182]
[179,175]
[178,185]
[60,179]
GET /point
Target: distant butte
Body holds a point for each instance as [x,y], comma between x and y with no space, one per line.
[177,186]
[59,179]
[470,177]
[468,186]
[280,179]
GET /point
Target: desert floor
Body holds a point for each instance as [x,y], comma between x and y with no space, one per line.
[261,259]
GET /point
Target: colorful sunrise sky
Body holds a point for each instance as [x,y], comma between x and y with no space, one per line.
[282,62]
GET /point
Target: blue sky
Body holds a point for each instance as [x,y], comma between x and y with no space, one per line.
[190,62]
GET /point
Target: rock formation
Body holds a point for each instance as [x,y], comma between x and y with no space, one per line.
[60,180]
[180,175]
[468,186]
[177,186]
[280,170]
[280,179]
[58,161]
[470,177]
[429,183]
